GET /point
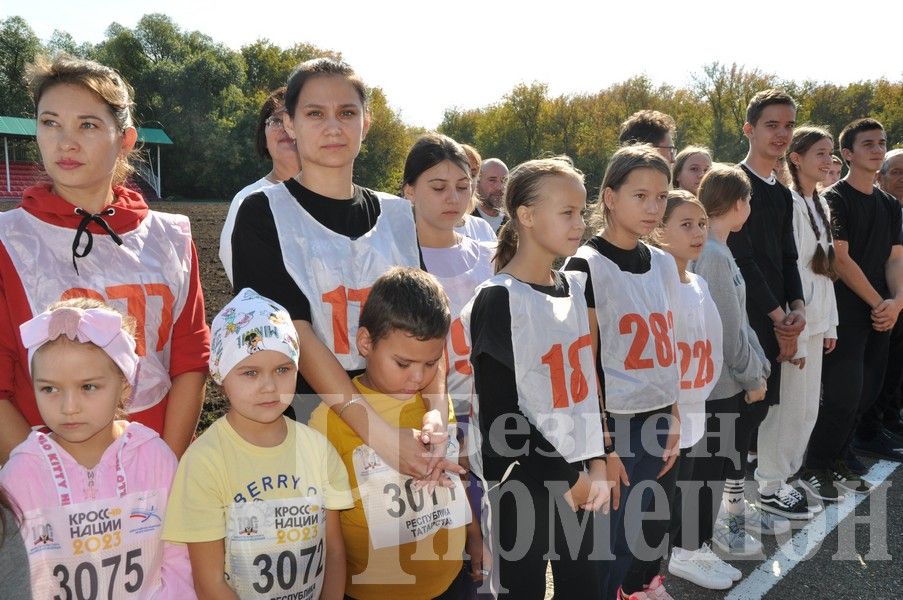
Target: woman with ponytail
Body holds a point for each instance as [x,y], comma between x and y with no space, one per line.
[523,324]
[809,158]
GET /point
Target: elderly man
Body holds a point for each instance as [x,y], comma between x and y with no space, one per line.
[491,192]
[890,178]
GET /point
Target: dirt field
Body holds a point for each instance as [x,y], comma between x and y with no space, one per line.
[206,223]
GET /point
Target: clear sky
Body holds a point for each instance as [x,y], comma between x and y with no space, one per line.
[429,56]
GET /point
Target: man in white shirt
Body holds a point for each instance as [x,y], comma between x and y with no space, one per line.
[491,192]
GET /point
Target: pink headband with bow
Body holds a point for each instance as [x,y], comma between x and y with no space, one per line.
[101,327]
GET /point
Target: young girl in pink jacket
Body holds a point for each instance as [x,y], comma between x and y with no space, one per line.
[92,488]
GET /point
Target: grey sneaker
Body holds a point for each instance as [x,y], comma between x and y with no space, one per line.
[764,523]
[731,536]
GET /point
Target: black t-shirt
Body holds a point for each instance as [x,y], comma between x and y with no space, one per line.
[492,356]
[257,261]
[765,251]
[637,261]
[870,224]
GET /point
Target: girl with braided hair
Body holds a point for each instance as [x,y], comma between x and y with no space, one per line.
[808,160]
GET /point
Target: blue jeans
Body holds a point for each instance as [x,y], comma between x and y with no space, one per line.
[639,440]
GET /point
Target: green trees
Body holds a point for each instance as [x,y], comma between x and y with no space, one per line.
[206,96]
[527,122]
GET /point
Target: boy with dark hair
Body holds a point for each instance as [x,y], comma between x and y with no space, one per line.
[765,252]
[867,243]
[400,541]
[650,127]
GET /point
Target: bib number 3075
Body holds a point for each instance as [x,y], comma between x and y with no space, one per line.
[85,582]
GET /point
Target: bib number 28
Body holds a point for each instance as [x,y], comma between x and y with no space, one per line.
[660,327]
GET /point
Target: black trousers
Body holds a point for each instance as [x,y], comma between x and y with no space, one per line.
[533,526]
[852,377]
[890,401]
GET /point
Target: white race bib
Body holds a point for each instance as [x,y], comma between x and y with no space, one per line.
[636,331]
[460,289]
[109,548]
[147,277]
[699,335]
[336,272]
[396,512]
[275,548]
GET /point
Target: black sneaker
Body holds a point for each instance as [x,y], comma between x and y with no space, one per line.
[895,438]
[786,502]
[820,483]
[895,426]
[879,446]
[853,462]
[848,480]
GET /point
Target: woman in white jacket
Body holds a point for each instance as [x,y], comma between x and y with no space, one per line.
[809,160]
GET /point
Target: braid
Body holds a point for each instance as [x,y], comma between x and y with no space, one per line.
[794,175]
[816,200]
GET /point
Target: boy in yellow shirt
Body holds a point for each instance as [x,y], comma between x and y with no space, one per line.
[401,542]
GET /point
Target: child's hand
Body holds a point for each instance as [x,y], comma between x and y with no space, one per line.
[480,556]
[617,476]
[830,344]
[756,395]
[600,487]
[434,431]
[577,495]
[672,446]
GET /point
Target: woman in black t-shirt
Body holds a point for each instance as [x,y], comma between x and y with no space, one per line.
[317,244]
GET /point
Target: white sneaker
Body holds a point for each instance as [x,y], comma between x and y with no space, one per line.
[731,536]
[764,523]
[720,566]
[696,567]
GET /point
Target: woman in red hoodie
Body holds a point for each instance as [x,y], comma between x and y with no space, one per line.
[85,234]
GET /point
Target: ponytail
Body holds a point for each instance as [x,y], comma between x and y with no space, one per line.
[523,189]
[507,245]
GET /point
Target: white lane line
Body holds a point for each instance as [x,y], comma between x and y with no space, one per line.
[789,554]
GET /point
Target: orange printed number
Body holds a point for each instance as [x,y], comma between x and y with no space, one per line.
[459,348]
[705,367]
[338,299]
[554,359]
[661,327]
[135,296]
